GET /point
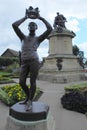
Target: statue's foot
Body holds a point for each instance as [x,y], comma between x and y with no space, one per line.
[28,105]
[25,101]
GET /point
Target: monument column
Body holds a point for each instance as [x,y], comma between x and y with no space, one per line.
[60,43]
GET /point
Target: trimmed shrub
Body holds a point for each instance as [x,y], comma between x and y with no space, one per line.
[75,98]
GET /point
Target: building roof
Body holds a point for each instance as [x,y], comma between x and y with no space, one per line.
[10,52]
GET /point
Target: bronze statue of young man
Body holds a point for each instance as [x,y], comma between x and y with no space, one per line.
[29,56]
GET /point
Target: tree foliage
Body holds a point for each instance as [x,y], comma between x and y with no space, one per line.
[80,54]
[5,61]
[75,50]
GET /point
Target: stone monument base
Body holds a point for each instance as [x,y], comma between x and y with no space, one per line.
[70,71]
[61,66]
[62,77]
[38,118]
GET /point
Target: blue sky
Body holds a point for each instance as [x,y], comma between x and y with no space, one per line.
[75,12]
[81,36]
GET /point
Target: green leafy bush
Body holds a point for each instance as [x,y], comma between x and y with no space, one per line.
[5,61]
[11,94]
[5,80]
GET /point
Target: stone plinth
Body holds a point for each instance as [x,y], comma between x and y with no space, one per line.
[46,124]
[61,43]
[70,72]
[38,111]
[61,65]
[38,118]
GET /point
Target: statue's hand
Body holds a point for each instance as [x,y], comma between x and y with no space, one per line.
[39,17]
[26,14]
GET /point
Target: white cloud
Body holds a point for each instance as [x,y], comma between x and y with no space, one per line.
[73,24]
[83,46]
[43,50]
[11,11]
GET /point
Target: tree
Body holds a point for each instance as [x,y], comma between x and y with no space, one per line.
[75,50]
[80,54]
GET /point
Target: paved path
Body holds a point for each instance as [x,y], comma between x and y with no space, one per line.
[64,119]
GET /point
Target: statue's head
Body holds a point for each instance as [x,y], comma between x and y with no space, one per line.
[32,26]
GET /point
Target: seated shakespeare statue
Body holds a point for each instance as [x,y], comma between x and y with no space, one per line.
[59,21]
[29,57]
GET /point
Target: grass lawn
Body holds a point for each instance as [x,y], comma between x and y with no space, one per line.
[3,73]
[76,87]
[5,78]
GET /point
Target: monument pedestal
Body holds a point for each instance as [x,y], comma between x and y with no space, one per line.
[61,65]
[37,118]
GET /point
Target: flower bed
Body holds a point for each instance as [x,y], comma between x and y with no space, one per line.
[11,94]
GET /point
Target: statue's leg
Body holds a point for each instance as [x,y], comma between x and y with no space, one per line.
[28,105]
[22,81]
[34,67]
